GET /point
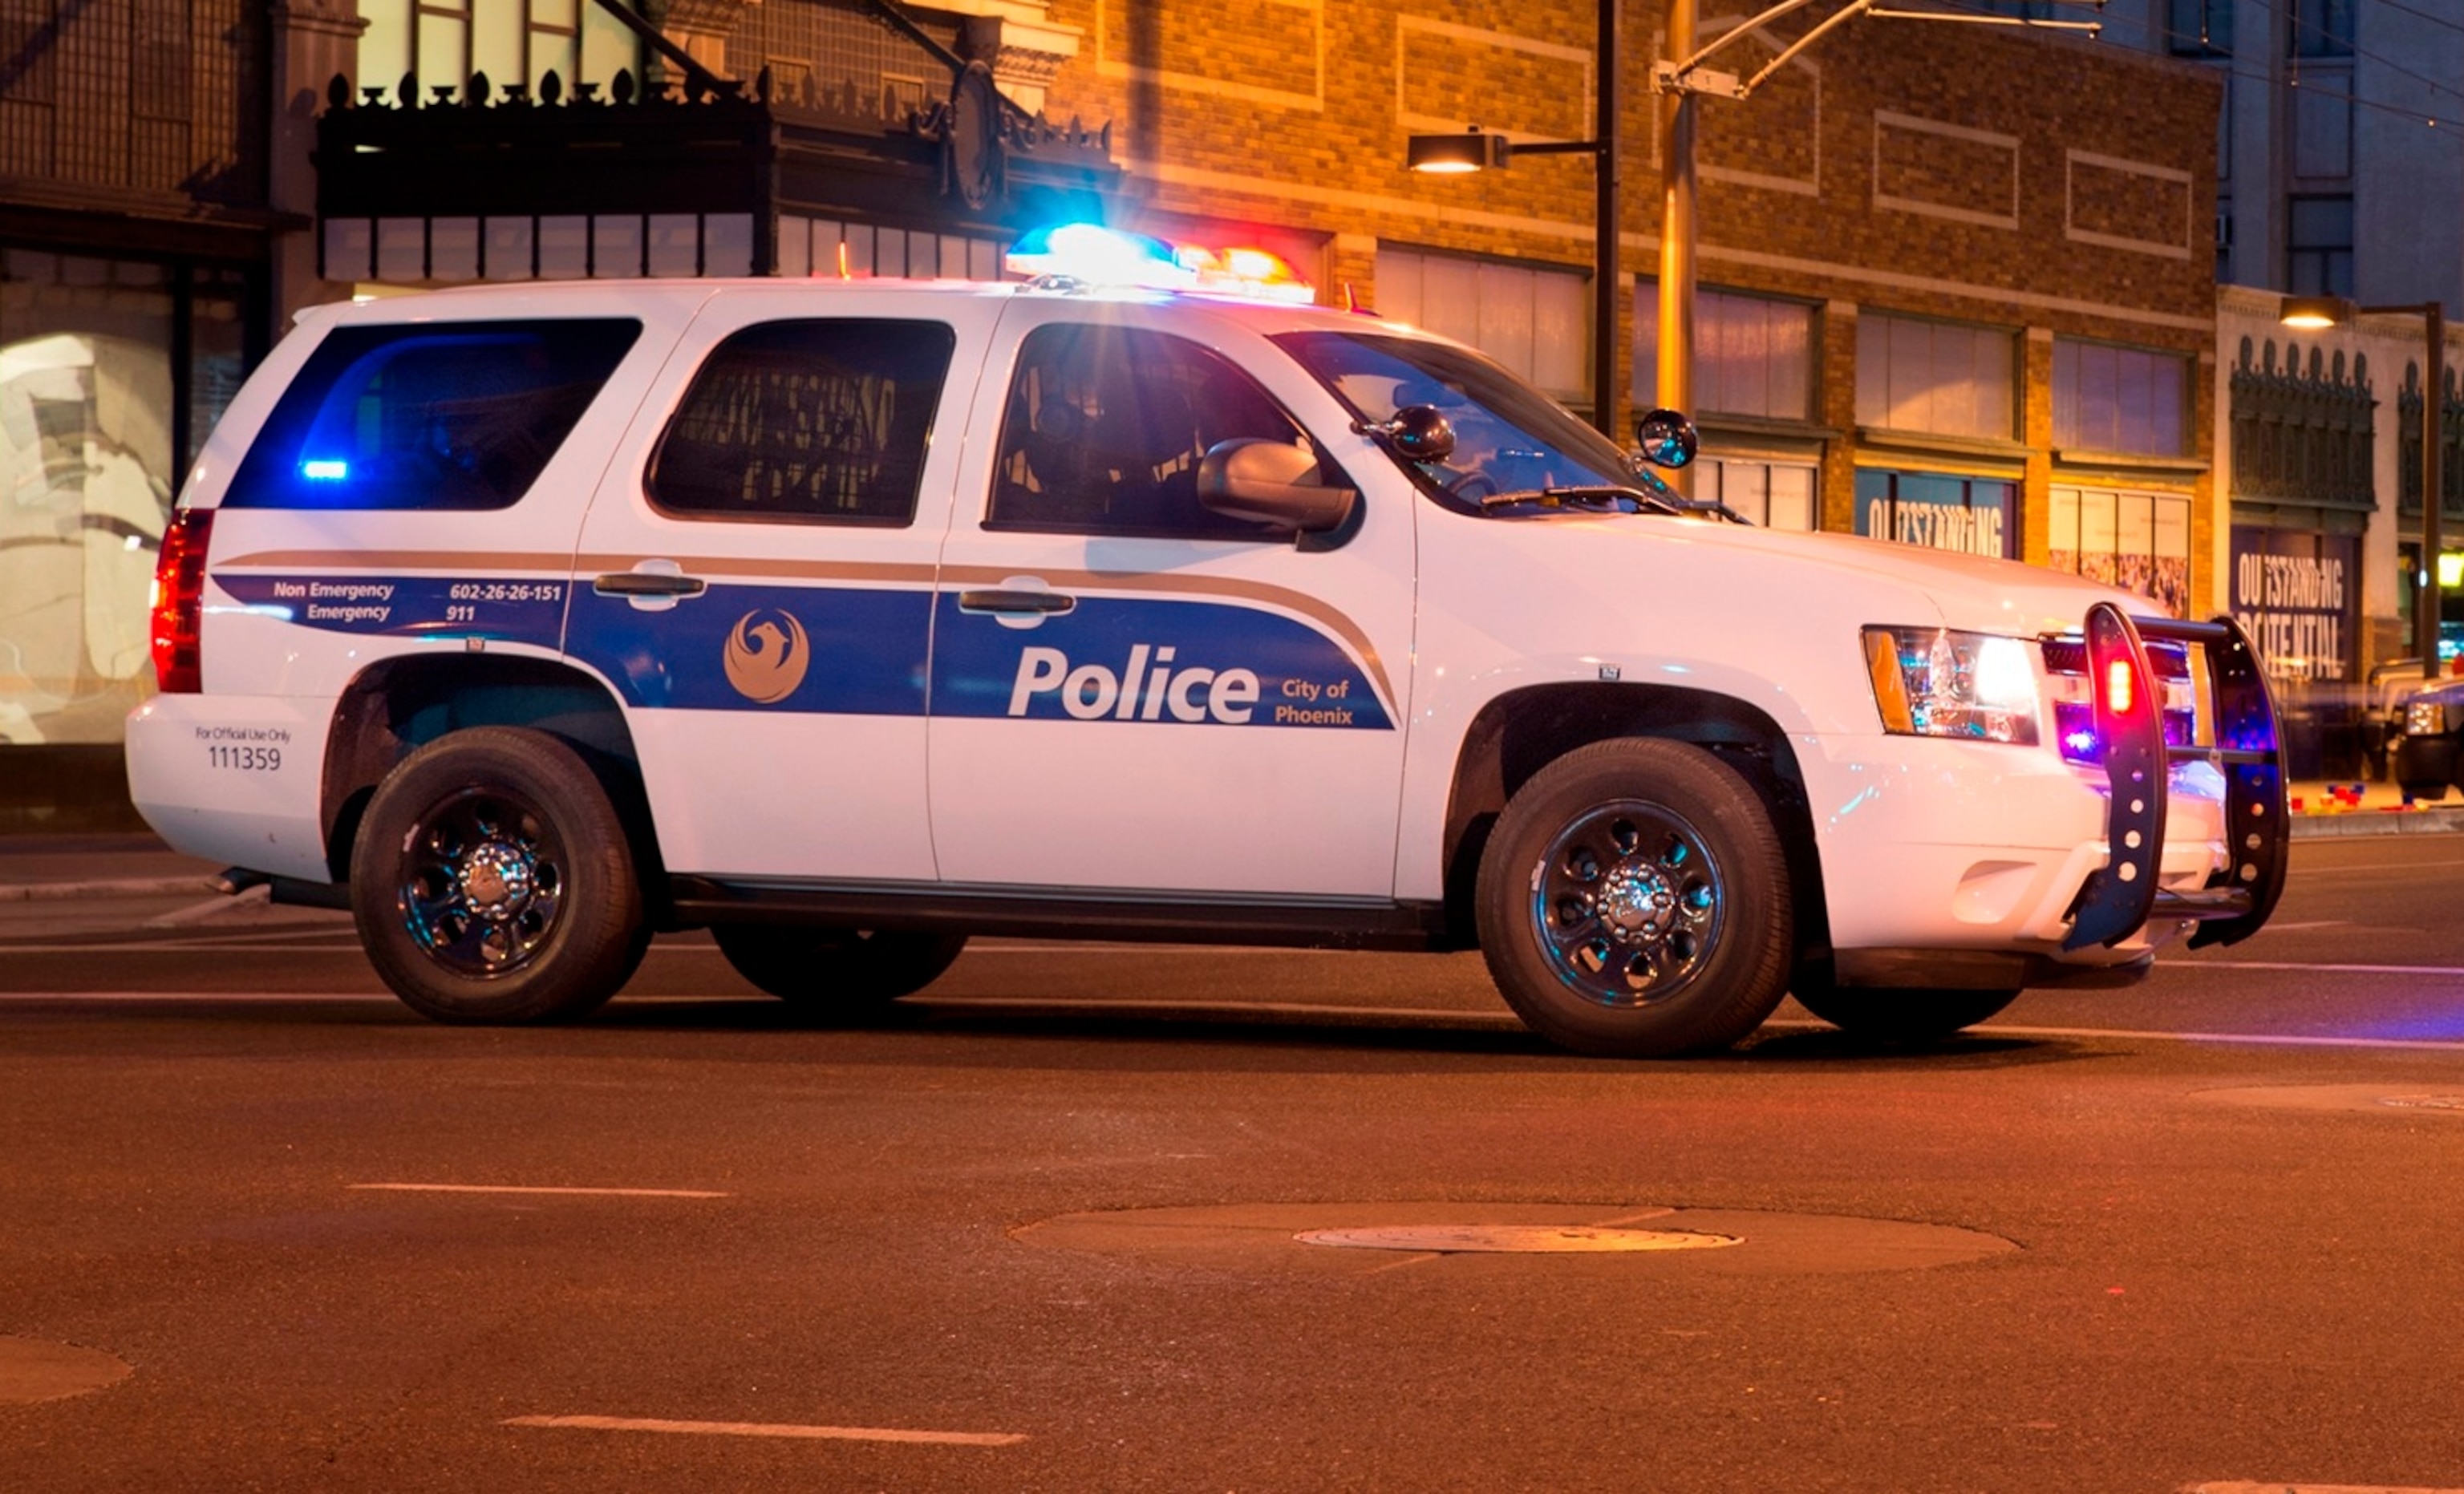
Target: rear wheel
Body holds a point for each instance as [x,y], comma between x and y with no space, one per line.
[847,971]
[491,881]
[1895,1014]
[1634,902]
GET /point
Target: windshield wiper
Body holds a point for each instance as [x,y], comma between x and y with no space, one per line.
[1593,497]
[1680,504]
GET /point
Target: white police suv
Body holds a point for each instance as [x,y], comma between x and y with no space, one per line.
[850,619]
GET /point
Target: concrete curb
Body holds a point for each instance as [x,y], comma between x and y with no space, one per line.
[2372,822]
[121,887]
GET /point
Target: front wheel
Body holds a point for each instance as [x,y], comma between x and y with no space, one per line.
[1634,902]
[847,971]
[491,881]
[1898,1015]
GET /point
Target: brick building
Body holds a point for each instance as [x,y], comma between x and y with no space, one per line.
[1938,305]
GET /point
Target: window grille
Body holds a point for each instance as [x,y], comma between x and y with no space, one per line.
[2450,461]
[147,94]
[2301,432]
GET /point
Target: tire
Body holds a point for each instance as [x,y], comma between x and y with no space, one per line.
[1692,955]
[1894,1015]
[491,881]
[847,971]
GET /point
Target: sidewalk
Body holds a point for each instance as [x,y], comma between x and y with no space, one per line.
[56,868]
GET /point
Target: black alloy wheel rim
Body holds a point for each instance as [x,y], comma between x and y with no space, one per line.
[482,882]
[1627,904]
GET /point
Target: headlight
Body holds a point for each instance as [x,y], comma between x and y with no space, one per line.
[2424,718]
[1935,682]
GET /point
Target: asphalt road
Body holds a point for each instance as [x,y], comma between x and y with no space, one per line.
[2192,1234]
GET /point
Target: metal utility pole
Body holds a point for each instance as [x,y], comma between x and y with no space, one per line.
[2434,402]
[1677,107]
[1607,365]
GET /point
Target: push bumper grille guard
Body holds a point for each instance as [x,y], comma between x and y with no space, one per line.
[2123,896]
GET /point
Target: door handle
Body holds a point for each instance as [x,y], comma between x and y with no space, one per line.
[648,583]
[1015,602]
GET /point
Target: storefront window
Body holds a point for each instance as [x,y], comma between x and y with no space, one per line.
[1941,511]
[2140,541]
[93,412]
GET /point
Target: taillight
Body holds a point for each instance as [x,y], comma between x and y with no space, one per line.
[179,599]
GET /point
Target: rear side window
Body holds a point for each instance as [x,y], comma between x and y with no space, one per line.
[820,421]
[437,415]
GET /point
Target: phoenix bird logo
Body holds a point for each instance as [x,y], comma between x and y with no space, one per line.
[764,663]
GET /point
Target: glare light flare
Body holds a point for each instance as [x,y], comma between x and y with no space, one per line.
[1116,259]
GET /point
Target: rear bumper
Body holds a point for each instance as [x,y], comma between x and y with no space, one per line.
[233,779]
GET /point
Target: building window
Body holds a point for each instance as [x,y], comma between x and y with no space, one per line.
[1940,510]
[2120,399]
[2319,246]
[441,43]
[1936,377]
[100,414]
[1533,319]
[827,246]
[1752,355]
[2323,28]
[2199,28]
[1775,494]
[2450,460]
[2140,541]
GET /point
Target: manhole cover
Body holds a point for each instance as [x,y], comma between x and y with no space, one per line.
[2424,1102]
[1478,1239]
[31,1371]
[1515,1238]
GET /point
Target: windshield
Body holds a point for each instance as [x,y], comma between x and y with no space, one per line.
[1509,436]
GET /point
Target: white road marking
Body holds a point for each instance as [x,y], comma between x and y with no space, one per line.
[186,947]
[609,1193]
[2273,1487]
[845,1433]
[236,998]
[2274,1040]
[2320,967]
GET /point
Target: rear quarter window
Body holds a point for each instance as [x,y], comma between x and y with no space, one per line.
[437,415]
[809,421]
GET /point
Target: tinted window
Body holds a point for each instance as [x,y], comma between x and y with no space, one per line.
[1509,436]
[454,415]
[807,419]
[1106,428]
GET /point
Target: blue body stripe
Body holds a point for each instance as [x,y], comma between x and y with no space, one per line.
[853,650]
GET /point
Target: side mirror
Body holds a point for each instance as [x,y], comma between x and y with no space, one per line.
[1418,433]
[1667,438]
[1270,482]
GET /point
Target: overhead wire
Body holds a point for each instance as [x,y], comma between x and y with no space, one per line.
[2231,67]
